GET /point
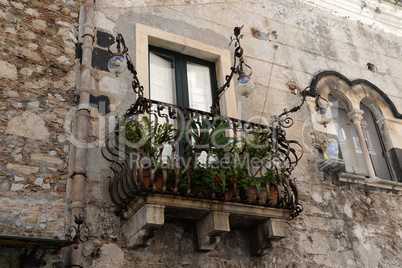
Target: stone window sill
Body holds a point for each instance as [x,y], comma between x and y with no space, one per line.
[376,182]
[334,166]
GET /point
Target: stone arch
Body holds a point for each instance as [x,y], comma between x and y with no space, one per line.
[369,103]
[351,93]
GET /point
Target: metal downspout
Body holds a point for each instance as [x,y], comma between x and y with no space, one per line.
[82,125]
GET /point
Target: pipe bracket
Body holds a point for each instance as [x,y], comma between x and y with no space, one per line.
[79,173]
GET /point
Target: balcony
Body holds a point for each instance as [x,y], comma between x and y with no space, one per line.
[171,163]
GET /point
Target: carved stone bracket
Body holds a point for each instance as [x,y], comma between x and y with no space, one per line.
[141,227]
[210,229]
[332,165]
[261,237]
[147,214]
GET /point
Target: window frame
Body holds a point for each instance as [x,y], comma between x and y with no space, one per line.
[181,79]
[145,36]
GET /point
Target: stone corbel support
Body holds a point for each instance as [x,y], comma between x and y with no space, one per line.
[211,228]
[332,165]
[140,229]
[261,237]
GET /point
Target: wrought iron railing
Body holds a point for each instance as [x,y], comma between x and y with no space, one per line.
[163,148]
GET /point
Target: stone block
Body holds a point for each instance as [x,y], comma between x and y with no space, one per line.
[141,227]
[275,228]
[17,187]
[17,178]
[211,228]
[39,24]
[102,22]
[31,54]
[28,125]
[47,159]
[26,170]
[39,181]
[8,70]
[261,237]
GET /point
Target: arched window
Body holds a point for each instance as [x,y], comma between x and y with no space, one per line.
[350,145]
[348,139]
[375,144]
[366,124]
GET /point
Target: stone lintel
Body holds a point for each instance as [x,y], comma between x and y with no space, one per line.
[211,228]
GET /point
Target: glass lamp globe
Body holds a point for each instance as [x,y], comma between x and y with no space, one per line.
[117,65]
[323,117]
[245,86]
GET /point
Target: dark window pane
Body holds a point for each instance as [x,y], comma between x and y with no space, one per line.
[374,144]
[348,139]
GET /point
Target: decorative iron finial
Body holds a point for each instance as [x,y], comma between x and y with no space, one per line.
[81,232]
[245,86]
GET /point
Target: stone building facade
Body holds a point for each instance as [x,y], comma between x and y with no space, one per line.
[59,104]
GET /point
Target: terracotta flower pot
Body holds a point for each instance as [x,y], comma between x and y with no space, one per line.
[273,195]
[252,194]
[146,176]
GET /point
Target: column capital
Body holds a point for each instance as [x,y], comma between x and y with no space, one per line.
[356,116]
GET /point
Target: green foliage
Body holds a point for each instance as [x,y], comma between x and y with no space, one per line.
[208,135]
[147,135]
[228,160]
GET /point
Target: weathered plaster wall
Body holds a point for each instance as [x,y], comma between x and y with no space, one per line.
[343,225]
[37,81]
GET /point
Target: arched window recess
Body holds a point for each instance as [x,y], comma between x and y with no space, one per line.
[363,129]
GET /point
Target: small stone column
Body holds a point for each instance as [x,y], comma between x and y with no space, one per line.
[356,116]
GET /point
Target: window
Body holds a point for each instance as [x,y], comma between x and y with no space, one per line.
[374,144]
[220,56]
[348,139]
[180,79]
[367,125]
[351,146]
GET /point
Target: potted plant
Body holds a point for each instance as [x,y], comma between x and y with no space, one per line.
[261,169]
[146,139]
[206,144]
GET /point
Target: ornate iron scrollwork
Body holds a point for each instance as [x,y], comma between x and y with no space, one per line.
[128,180]
[81,232]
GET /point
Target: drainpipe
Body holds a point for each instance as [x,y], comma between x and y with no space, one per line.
[82,124]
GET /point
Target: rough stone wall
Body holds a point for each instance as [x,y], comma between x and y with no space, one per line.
[343,224]
[37,82]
